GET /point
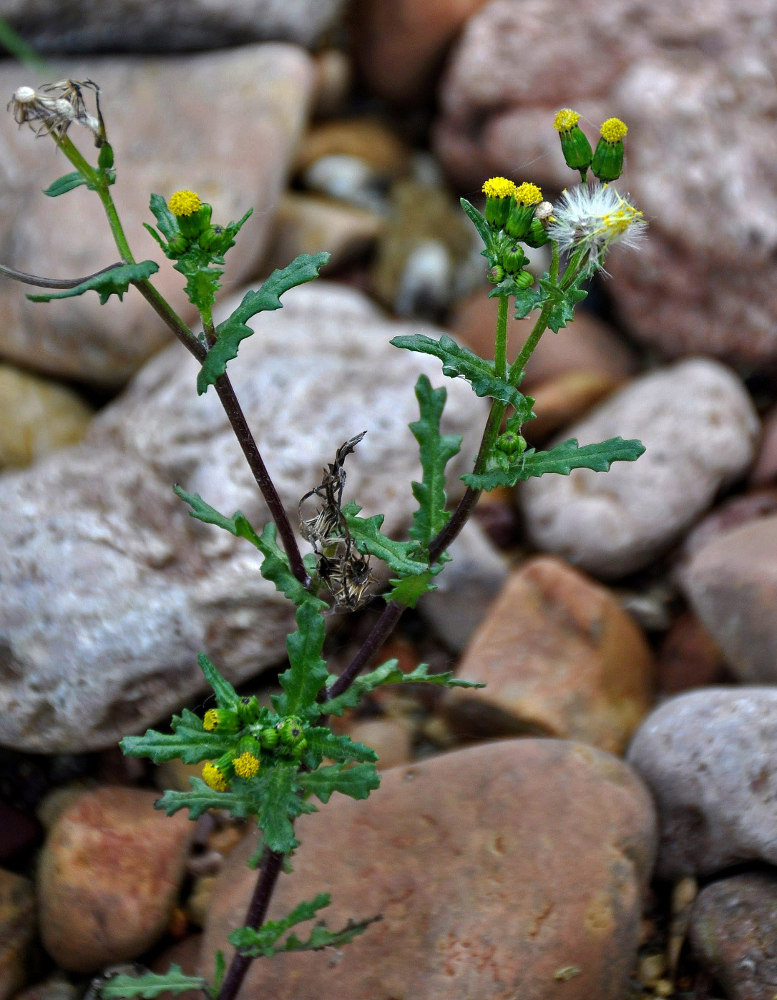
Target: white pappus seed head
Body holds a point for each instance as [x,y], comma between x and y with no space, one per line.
[592,218]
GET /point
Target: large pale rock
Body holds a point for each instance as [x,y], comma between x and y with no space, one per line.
[700,429]
[731,582]
[558,656]
[172,127]
[110,588]
[708,757]
[701,151]
[511,869]
[109,877]
[168,25]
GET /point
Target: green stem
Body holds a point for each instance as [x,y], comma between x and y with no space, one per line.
[500,346]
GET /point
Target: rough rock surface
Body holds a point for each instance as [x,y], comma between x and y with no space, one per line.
[731,582]
[109,876]
[733,930]
[171,128]
[698,94]
[110,588]
[558,656]
[510,869]
[708,757]
[699,427]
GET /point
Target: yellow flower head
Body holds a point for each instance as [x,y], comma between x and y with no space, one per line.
[213,777]
[498,187]
[565,119]
[184,203]
[613,129]
[246,765]
[528,194]
[210,720]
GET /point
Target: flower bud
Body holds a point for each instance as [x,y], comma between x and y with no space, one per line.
[269,737]
[290,731]
[537,236]
[513,259]
[498,192]
[217,773]
[607,164]
[511,443]
[221,720]
[574,144]
[521,213]
[495,274]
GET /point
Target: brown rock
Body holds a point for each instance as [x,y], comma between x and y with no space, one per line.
[688,658]
[731,584]
[560,401]
[109,877]
[366,139]
[389,738]
[499,871]
[17,929]
[764,472]
[308,223]
[558,656]
[589,345]
[37,417]
[733,931]
[399,47]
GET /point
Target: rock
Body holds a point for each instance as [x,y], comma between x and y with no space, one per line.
[424,253]
[558,656]
[498,870]
[764,472]
[37,417]
[466,589]
[390,738]
[367,139]
[154,116]
[588,346]
[17,931]
[563,399]
[707,757]
[734,512]
[109,877]
[733,929]
[731,583]
[172,25]
[400,49]
[688,658]
[111,589]
[308,223]
[699,428]
[698,165]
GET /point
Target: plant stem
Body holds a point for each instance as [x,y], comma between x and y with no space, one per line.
[272,862]
[500,344]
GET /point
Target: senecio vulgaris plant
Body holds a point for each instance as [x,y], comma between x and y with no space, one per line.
[269,763]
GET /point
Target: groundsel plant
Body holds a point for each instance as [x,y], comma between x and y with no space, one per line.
[271,763]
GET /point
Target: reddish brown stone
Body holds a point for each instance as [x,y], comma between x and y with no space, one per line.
[109,877]
[558,656]
[511,869]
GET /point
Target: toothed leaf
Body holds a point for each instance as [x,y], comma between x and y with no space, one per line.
[113,282]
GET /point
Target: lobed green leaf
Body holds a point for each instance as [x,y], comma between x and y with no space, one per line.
[561,460]
[234,329]
[200,798]
[275,566]
[478,221]
[436,450]
[226,696]
[389,673]
[107,283]
[307,671]
[150,985]
[368,537]
[274,797]
[458,362]
[322,742]
[188,742]
[356,781]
